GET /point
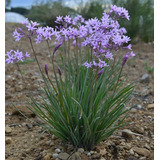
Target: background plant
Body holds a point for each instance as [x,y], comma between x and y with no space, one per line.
[85,101]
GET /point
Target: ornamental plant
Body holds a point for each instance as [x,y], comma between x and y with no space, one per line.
[84,101]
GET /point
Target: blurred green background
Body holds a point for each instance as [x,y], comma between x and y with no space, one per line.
[140,27]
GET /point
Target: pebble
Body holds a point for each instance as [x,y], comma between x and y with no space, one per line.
[57,150]
[29,126]
[92,152]
[139,106]
[131,152]
[55,155]
[75,156]
[47,157]
[24,110]
[48,142]
[8,129]
[80,150]
[138,129]
[147,146]
[103,151]
[53,137]
[63,156]
[127,134]
[150,106]
[128,146]
[142,151]
[142,158]
[145,78]
[8,140]
[133,110]
[88,154]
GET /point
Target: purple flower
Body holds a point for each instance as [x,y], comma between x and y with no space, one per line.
[34,24]
[128,47]
[30,27]
[17,35]
[126,57]
[10,58]
[119,11]
[47,35]
[102,64]
[67,19]
[39,30]
[59,19]
[88,65]
[38,39]
[18,55]
[108,55]
[25,22]
[27,55]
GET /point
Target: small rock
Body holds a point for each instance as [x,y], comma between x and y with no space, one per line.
[138,129]
[48,142]
[47,157]
[142,158]
[8,140]
[139,106]
[96,156]
[150,106]
[145,78]
[19,88]
[88,154]
[75,156]
[57,150]
[147,146]
[29,126]
[80,150]
[133,110]
[103,151]
[92,152]
[63,156]
[24,110]
[53,137]
[131,152]
[55,155]
[142,151]
[8,129]
[127,134]
[128,146]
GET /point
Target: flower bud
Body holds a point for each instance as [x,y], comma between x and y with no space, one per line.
[46,69]
[99,73]
[56,48]
[59,71]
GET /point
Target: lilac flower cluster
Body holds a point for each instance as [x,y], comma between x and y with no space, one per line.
[103,36]
[16,56]
[119,11]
